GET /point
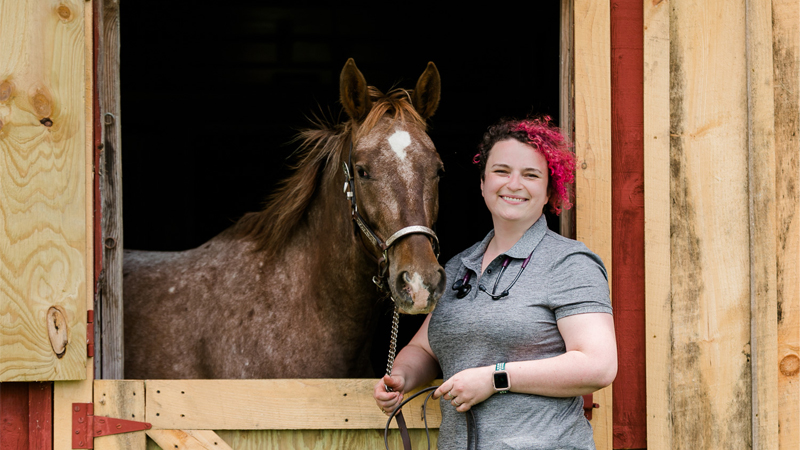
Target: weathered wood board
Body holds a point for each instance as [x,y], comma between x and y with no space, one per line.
[786,54]
[296,404]
[658,318]
[44,249]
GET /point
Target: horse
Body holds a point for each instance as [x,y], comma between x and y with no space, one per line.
[289,291]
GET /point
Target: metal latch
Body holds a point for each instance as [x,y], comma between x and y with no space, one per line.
[86,427]
[588,405]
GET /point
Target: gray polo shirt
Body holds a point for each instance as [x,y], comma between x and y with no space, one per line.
[562,278]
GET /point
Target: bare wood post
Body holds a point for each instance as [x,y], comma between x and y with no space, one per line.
[761,176]
[566,73]
[110,318]
[786,48]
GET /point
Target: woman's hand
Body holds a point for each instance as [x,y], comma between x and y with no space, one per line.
[388,400]
[467,388]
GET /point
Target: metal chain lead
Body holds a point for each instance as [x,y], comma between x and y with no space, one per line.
[393,342]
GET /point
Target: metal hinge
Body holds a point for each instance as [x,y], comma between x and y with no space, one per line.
[588,405]
[90,333]
[86,427]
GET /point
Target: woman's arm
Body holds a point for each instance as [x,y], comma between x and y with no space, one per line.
[590,363]
[414,365]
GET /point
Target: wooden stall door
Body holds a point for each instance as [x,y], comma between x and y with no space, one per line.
[45,195]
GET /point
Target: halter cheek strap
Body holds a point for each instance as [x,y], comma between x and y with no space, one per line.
[382,246]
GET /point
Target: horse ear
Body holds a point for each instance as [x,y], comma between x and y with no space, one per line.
[428,91]
[353,91]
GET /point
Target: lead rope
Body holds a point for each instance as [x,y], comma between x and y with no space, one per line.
[397,414]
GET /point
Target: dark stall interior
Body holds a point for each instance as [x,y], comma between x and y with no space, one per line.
[213,92]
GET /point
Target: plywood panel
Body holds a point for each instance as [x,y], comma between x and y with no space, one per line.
[786,44]
[710,384]
[658,317]
[43,179]
[273,405]
[593,152]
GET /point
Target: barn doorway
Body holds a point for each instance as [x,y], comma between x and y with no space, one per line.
[212,97]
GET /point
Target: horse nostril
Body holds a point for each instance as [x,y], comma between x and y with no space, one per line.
[405,277]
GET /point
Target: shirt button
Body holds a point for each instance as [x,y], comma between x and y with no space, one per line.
[488,270]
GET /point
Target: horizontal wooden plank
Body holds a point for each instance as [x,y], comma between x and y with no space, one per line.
[288,404]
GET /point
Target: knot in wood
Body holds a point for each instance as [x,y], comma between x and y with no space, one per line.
[57,330]
[64,12]
[5,90]
[790,365]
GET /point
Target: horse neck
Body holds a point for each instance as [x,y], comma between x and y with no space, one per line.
[341,257]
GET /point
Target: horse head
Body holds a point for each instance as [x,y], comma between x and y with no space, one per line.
[394,170]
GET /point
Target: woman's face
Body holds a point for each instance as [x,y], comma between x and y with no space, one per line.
[515,183]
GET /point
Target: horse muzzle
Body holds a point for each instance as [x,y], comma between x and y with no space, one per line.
[418,285]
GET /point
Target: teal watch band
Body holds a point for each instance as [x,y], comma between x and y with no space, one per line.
[500,378]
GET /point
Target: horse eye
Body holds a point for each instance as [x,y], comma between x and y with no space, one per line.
[440,173]
[362,173]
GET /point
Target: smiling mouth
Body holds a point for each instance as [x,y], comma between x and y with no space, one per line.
[513,199]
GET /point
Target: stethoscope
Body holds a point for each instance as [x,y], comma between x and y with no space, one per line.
[462,286]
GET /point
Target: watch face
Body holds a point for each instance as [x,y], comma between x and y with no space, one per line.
[501,380]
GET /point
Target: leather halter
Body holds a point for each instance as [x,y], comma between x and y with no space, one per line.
[372,236]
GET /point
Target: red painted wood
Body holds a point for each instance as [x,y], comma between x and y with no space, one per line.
[40,416]
[14,416]
[627,203]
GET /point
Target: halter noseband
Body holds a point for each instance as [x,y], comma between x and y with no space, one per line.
[366,230]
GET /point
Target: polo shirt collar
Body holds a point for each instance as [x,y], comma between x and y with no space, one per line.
[520,250]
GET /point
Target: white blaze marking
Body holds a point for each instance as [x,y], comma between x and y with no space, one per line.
[419,291]
[399,141]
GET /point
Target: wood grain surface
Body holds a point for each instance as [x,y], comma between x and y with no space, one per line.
[593,152]
[273,405]
[786,59]
[710,378]
[43,196]
[658,306]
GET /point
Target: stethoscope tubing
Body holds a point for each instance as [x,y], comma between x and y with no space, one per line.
[463,287]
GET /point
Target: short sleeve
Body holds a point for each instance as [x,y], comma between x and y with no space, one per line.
[578,284]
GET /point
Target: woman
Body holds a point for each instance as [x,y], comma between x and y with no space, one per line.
[526,328]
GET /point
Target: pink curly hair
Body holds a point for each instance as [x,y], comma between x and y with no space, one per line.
[547,139]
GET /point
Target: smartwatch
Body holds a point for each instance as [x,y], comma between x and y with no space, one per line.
[500,379]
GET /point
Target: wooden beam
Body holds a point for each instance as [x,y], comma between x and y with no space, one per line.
[593,152]
[109,314]
[566,103]
[120,400]
[286,404]
[761,179]
[322,439]
[786,60]
[658,317]
[711,375]
[627,202]
[188,439]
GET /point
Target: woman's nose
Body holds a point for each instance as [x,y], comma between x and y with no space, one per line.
[514,182]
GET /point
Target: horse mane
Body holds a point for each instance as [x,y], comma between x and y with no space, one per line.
[319,153]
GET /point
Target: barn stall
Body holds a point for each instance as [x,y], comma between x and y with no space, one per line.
[684,116]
